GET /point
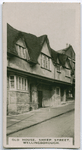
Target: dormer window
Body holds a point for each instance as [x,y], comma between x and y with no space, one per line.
[21,51]
[67,73]
[58,69]
[45,62]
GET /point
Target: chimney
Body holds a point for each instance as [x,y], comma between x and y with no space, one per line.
[67,45]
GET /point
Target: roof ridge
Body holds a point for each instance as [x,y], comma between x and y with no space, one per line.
[65,48]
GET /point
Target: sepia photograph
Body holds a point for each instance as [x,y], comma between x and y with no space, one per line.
[41,60]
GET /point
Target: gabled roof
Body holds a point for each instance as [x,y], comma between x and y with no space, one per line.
[33,42]
[61,57]
[54,56]
[11,37]
[34,45]
[68,51]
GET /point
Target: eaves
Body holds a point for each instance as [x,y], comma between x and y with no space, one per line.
[37,76]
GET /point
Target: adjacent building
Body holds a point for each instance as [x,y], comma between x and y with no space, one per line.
[37,75]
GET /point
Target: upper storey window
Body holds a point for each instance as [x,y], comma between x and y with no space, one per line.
[45,62]
[21,51]
[58,69]
[67,73]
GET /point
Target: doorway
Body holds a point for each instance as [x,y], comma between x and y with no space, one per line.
[62,95]
[40,95]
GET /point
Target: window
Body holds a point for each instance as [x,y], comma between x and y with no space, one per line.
[58,69]
[21,51]
[57,91]
[25,84]
[22,84]
[12,82]
[18,83]
[45,61]
[67,73]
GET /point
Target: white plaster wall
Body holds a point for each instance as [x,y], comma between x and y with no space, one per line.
[45,49]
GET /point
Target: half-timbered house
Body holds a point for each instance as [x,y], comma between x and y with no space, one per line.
[37,75]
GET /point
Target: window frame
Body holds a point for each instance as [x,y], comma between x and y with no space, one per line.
[58,70]
[22,82]
[66,74]
[45,61]
[16,84]
[21,51]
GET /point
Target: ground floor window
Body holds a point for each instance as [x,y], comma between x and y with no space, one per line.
[18,83]
[57,91]
[12,82]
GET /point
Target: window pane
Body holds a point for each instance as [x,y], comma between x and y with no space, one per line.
[25,84]
[68,72]
[18,51]
[58,68]
[19,82]
[49,63]
[24,51]
[45,58]
[22,83]
[42,60]
[23,54]
[12,82]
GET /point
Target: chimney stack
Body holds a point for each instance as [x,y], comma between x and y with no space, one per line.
[67,45]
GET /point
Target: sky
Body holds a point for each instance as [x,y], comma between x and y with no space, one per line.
[57,21]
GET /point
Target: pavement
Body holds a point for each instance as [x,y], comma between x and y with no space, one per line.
[20,122]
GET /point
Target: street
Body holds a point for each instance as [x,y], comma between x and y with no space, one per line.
[61,126]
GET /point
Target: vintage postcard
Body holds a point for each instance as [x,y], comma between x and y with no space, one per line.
[41,75]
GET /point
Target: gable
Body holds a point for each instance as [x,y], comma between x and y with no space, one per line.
[21,49]
[70,52]
[21,42]
[45,49]
[33,43]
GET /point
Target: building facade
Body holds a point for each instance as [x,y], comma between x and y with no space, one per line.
[37,75]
